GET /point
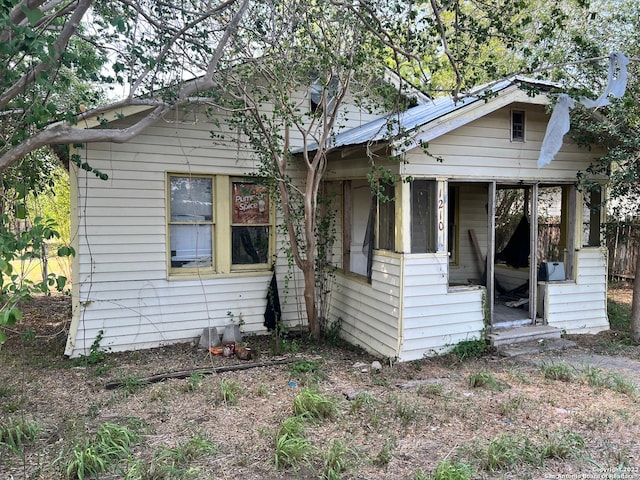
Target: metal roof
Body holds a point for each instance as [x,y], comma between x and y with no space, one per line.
[388,127]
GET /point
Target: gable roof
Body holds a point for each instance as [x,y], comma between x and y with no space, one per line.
[424,122]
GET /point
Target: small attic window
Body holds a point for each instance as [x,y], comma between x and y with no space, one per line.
[517,126]
[316,91]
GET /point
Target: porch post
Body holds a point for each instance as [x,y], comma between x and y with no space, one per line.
[491,250]
[574,230]
[533,256]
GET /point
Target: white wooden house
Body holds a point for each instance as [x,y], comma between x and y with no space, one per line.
[180,237]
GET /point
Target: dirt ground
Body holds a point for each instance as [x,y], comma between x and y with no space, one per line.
[577,412]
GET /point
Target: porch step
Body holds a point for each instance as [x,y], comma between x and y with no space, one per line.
[523,334]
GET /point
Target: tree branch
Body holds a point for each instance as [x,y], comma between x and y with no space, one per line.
[59,47]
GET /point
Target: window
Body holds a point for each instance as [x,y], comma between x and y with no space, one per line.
[592,205]
[191,221]
[517,126]
[250,223]
[423,216]
[386,218]
[218,223]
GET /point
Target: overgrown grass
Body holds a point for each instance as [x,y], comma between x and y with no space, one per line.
[229,391]
[558,371]
[173,462]
[386,452]
[484,379]
[469,349]
[561,444]
[311,403]
[453,470]
[336,460]
[508,451]
[17,433]
[599,378]
[619,315]
[308,372]
[405,411]
[291,447]
[111,444]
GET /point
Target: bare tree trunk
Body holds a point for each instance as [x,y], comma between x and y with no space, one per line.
[310,300]
[635,309]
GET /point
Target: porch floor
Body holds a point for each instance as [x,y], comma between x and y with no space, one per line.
[510,316]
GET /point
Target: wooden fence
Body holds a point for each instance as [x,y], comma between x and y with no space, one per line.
[623,243]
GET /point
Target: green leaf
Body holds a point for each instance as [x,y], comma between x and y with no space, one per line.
[61,281]
[65,251]
[3,337]
[33,14]
[21,211]
[21,190]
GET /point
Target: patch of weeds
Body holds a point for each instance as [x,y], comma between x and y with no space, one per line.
[619,315]
[598,378]
[263,390]
[331,333]
[386,452]
[189,450]
[431,391]
[169,463]
[562,444]
[336,460]
[405,411]
[453,470]
[86,461]
[16,434]
[420,474]
[361,400]
[111,444]
[130,384]
[507,450]
[229,391]
[293,426]
[308,371]
[5,391]
[595,377]
[379,381]
[194,382]
[511,405]
[621,384]
[93,410]
[484,379]
[558,371]
[292,448]
[311,403]
[469,349]
[13,406]
[96,353]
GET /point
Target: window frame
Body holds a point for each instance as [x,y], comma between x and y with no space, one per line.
[221,235]
[517,127]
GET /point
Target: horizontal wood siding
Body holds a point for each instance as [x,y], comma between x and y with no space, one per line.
[369,313]
[580,306]
[436,317]
[483,149]
[122,284]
